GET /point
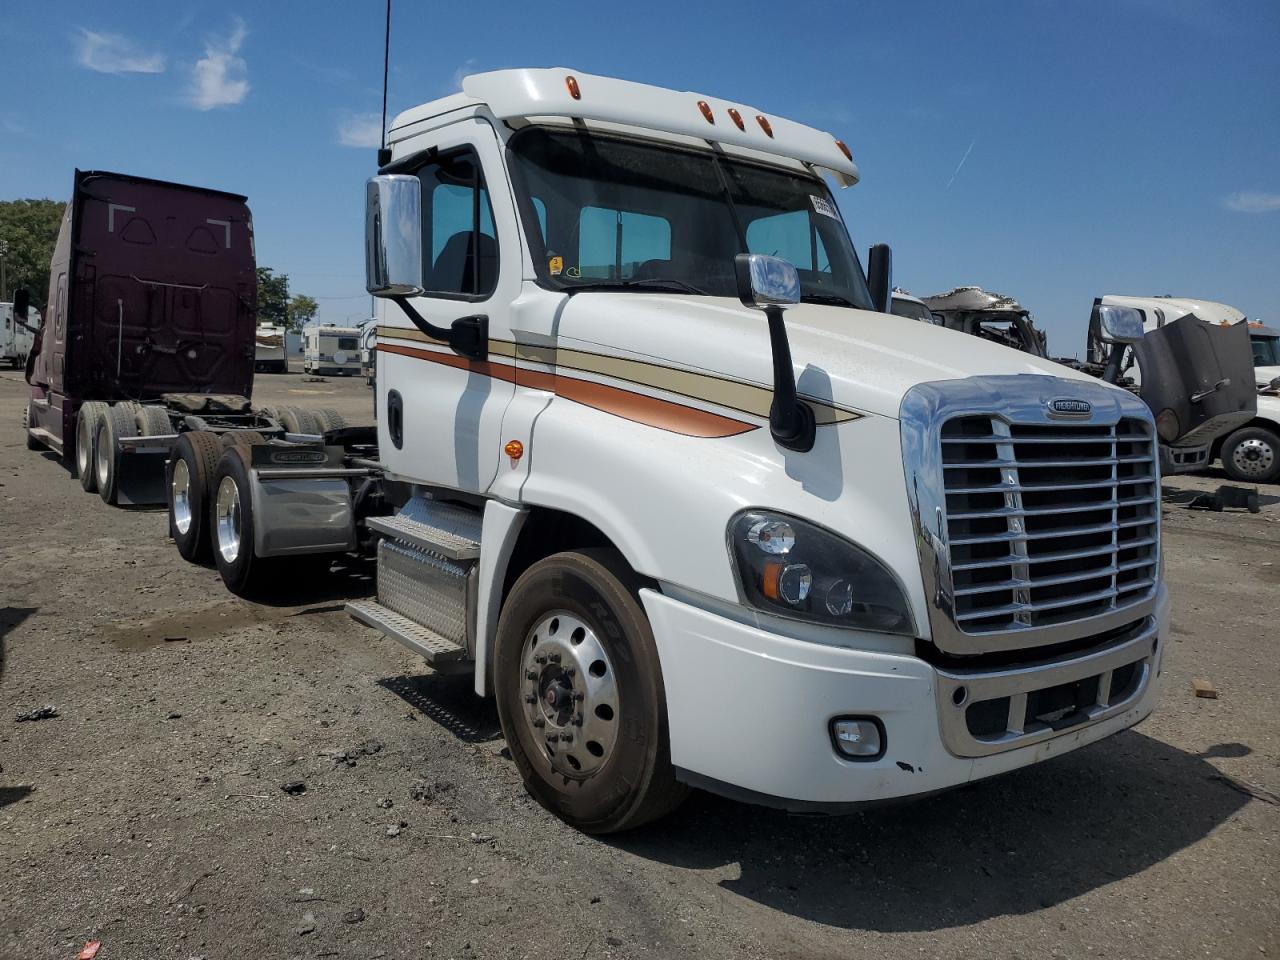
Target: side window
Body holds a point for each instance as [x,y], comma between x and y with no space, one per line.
[613,243]
[792,237]
[458,232]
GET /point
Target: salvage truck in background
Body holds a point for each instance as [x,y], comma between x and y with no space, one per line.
[150,335]
[695,514]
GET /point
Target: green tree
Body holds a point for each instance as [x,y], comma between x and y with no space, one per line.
[28,231]
[273,297]
[302,310]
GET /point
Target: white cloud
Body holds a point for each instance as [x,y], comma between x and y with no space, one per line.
[220,78]
[1252,202]
[468,67]
[360,130]
[113,53]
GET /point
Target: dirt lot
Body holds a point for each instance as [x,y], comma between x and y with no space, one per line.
[149,812]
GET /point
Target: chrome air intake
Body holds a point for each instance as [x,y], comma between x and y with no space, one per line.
[1037,509]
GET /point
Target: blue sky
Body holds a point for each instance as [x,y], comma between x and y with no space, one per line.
[1051,150]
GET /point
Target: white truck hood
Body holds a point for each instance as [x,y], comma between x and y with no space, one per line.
[855,358]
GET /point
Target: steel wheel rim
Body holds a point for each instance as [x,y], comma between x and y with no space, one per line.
[102,461]
[84,442]
[1253,457]
[181,487]
[569,695]
[227,514]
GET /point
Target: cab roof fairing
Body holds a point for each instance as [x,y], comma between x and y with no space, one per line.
[522,93]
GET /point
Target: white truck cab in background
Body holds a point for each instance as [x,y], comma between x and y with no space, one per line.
[655,463]
[17,337]
[330,349]
[913,308]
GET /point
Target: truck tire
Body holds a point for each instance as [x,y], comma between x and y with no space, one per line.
[118,421]
[329,419]
[195,457]
[565,726]
[1252,455]
[231,525]
[297,420]
[153,421]
[241,438]
[32,442]
[86,440]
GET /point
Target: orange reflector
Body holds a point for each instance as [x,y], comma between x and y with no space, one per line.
[514,449]
[764,125]
[845,150]
[572,83]
[736,117]
[706,112]
[772,575]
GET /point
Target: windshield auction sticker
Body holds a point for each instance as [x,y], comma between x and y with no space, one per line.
[822,206]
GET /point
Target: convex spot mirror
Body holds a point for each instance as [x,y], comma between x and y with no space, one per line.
[1119,324]
[766,281]
[393,236]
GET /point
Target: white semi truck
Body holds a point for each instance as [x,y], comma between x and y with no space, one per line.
[17,335]
[655,465]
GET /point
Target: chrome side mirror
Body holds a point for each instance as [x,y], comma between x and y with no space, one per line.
[1119,324]
[765,282]
[393,236]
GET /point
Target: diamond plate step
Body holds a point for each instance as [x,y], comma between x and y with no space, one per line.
[426,643]
[441,528]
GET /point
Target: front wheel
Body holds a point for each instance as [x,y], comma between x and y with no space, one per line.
[580,694]
[1252,455]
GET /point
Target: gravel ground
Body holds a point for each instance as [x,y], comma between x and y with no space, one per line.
[150,812]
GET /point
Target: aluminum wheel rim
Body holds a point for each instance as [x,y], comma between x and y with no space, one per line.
[181,487]
[84,443]
[227,519]
[570,695]
[1253,457]
[102,460]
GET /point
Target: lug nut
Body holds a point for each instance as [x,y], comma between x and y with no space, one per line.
[566,736]
[540,659]
[539,722]
[530,698]
[531,675]
[577,719]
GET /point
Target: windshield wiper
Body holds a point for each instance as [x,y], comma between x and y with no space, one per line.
[652,283]
[829,298]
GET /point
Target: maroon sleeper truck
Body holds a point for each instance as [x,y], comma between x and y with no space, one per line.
[149,334]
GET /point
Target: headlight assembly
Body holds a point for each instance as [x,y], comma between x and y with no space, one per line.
[792,568]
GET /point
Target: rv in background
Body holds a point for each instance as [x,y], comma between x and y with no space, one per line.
[369,350]
[330,349]
[269,355]
[16,336]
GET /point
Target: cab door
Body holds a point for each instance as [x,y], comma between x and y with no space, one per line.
[440,412]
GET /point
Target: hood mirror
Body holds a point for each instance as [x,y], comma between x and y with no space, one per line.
[1119,324]
[769,284]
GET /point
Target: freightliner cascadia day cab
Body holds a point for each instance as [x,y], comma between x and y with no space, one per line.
[655,464]
[151,317]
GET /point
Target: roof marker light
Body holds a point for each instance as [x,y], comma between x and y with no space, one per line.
[764,125]
[845,150]
[572,83]
[736,117]
[706,112]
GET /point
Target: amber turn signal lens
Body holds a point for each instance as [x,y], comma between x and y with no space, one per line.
[514,449]
[769,582]
[706,112]
[764,125]
[736,117]
[572,83]
[845,150]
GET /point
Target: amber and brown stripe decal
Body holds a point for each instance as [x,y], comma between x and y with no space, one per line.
[747,398]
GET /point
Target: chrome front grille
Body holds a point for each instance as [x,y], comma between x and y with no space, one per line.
[1047,523]
[1037,521]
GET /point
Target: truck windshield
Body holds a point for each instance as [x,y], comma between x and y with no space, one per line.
[1266,351]
[605,212]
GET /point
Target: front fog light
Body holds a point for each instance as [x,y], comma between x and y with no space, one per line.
[858,738]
